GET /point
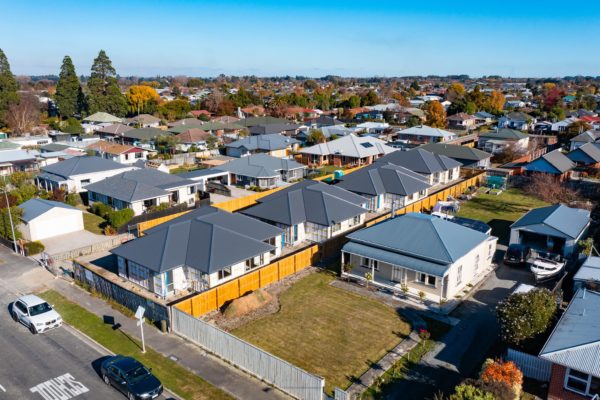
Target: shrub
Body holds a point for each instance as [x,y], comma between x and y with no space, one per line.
[109,230]
[72,199]
[470,392]
[524,315]
[160,207]
[119,218]
[33,248]
[101,209]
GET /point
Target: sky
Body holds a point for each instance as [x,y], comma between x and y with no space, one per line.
[527,38]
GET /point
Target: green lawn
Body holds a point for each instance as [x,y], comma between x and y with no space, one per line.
[173,376]
[327,331]
[93,223]
[501,211]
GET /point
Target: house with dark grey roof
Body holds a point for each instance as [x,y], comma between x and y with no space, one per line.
[554,163]
[142,190]
[554,229]
[588,275]
[286,129]
[469,157]
[573,348]
[43,219]
[275,145]
[262,170]
[197,251]
[437,169]
[424,134]
[497,141]
[591,136]
[420,252]
[113,130]
[386,186]
[143,121]
[516,120]
[311,211]
[347,151]
[587,155]
[74,174]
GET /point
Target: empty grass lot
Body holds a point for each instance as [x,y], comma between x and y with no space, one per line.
[501,211]
[327,331]
[183,382]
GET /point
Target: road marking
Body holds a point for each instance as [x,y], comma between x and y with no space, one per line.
[64,387]
[2,388]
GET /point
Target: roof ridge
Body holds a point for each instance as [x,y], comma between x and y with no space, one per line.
[434,226]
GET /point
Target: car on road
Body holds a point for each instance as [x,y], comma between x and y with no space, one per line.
[516,254]
[35,313]
[130,377]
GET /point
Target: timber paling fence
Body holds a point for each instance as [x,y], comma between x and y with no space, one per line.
[263,365]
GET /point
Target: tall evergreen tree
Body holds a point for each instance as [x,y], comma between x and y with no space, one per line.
[69,97]
[104,92]
[8,87]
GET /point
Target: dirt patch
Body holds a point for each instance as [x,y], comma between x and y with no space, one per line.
[232,319]
[247,304]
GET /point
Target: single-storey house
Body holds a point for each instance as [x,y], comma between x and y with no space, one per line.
[74,174]
[437,169]
[588,275]
[271,129]
[142,189]
[373,128]
[496,141]
[142,135]
[469,157]
[554,163]
[43,219]
[347,151]
[329,132]
[114,130]
[424,134]
[311,211]
[262,170]
[275,145]
[420,252]
[197,251]
[591,136]
[143,121]
[461,121]
[587,156]
[19,160]
[484,118]
[573,348]
[188,122]
[516,120]
[193,137]
[120,153]
[555,229]
[386,186]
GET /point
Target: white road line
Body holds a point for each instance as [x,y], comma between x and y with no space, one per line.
[2,388]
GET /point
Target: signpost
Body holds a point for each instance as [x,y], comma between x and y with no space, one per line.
[139,315]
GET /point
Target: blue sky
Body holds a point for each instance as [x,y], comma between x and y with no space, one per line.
[313,38]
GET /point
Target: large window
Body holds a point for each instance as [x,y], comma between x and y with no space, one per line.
[139,275]
[224,273]
[369,263]
[582,383]
[425,279]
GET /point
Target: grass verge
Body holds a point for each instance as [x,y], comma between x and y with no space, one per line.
[183,382]
[384,386]
[327,331]
[93,223]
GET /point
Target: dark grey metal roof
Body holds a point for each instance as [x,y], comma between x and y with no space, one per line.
[569,222]
[207,239]
[82,165]
[379,179]
[420,160]
[422,236]
[553,162]
[50,147]
[33,208]
[253,121]
[259,166]
[504,133]
[145,133]
[457,152]
[140,184]
[309,201]
[587,137]
[589,152]
[272,128]
[264,142]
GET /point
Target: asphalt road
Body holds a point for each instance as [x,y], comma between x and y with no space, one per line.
[56,365]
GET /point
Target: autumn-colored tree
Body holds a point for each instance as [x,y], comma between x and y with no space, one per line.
[497,100]
[552,98]
[315,136]
[399,97]
[142,99]
[505,372]
[436,115]
[455,91]
[577,127]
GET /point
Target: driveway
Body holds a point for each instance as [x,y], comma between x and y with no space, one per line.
[464,348]
[71,241]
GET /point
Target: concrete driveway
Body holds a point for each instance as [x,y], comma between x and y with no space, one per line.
[71,241]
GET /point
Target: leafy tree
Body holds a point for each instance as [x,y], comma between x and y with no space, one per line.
[354,101]
[586,246]
[497,101]
[8,86]
[557,113]
[524,315]
[413,120]
[175,109]
[315,136]
[195,82]
[470,392]
[370,99]
[119,218]
[211,142]
[69,96]
[73,126]
[415,86]
[589,103]
[104,92]
[142,99]
[5,229]
[455,91]
[436,115]
[166,144]
[243,98]
[576,128]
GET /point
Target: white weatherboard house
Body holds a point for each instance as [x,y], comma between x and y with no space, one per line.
[422,253]
[199,250]
[75,173]
[43,219]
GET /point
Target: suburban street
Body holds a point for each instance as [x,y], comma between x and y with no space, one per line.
[57,365]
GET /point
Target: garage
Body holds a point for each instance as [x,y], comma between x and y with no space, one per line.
[44,219]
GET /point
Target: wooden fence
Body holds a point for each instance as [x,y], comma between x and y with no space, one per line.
[212,299]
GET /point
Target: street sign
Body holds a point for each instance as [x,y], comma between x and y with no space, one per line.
[139,313]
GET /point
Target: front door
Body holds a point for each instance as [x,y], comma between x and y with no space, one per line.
[397,274]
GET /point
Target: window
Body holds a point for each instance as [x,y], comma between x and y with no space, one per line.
[491,251]
[85,182]
[355,221]
[366,262]
[425,279]
[431,280]
[477,262]
[191,189]
[336,227]
[581,382]
[224,273]
[423,193]
[459,275]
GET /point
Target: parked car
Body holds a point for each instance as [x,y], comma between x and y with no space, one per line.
[130,377]
[35,313]
[517,254]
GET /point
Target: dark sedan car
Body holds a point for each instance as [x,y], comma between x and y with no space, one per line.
[131,378]
[516,254]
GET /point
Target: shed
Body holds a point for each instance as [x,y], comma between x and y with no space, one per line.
[43,219]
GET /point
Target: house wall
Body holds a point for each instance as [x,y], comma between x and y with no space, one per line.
[73,183]
[55,222]
[237,270]
[236,151]
[556,387]
[281,153]
[476,262]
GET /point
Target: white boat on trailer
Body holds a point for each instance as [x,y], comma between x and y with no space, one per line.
[545,268]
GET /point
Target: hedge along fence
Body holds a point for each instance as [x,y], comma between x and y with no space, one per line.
[216,297]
